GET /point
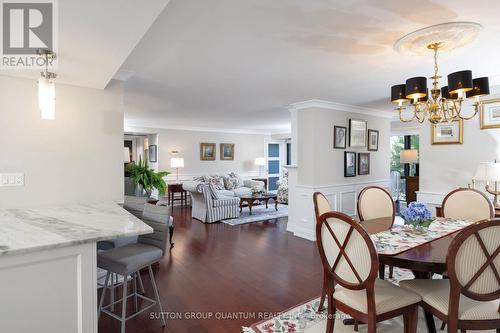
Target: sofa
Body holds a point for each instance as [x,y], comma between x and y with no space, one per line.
[225,204]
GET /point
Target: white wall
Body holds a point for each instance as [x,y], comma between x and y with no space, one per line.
[320,167]
[187,142]
[76,157]
[446,167]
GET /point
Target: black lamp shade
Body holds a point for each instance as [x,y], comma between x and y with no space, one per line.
[398,93]
[446,94]
[481,86]
[416,87]
[460,82]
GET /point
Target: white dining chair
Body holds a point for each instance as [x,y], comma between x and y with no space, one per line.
[375,202]
[350,259]
[470,298]
[467,204]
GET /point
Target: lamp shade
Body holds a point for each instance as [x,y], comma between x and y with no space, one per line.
[177,162]
[488,171]
[445,93]
[126,155]
[260,161]
[398,93]
[480,87]
[460,82]
[421,99]
[408,156]
[416,87]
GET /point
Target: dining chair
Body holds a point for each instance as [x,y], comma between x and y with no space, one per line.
[375,202]
[467,204]
[321,206]
[470,298]
[350,258]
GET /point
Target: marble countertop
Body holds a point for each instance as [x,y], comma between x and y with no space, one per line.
[28,230]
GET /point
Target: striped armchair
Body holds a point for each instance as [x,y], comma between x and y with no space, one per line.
[207,209]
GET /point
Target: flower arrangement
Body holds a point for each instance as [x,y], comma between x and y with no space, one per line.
[257,190]
[418,215]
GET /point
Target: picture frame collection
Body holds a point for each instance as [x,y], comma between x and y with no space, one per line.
[359,136]
[208,151]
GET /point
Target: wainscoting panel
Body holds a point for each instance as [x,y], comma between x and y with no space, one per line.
[342,197]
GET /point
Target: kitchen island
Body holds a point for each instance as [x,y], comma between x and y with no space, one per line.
[48,264]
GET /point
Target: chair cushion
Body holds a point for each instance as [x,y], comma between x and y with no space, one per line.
[241,191]
[129,258]
[225,193]
[388,297]
[436,293]
[226,201]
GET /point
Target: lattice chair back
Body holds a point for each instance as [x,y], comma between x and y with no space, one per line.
[347,251]
[474,262]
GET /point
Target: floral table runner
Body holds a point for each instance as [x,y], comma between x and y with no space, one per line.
[403,237]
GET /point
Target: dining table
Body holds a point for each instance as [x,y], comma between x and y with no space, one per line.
[424,257]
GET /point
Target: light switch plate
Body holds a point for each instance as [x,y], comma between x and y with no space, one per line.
[12,179]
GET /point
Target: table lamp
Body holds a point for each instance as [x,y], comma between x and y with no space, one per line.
[260,161]
[126,155]
[409,156]
[489,172]
[177,162]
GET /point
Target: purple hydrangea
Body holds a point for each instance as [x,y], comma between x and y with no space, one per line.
[417,212]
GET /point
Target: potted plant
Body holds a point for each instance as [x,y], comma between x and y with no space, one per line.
[147,179]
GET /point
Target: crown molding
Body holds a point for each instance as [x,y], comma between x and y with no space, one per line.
[322,104]
[131,127]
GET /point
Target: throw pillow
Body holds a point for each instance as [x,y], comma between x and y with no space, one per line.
[238,180]
[213,191]
[216,180]
[230,183]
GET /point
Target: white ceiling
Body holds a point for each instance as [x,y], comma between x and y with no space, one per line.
[238,63]
[95,37]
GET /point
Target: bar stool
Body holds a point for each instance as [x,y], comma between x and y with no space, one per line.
[127,261]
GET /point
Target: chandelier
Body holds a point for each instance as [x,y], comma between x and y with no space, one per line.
[447,103]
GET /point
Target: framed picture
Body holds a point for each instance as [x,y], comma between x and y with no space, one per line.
[339,137]
[153,153]
[490,114]
[372,140]
[349,164]
[447,133]
[363,163]
[207,151]
[357,133]
[227,151]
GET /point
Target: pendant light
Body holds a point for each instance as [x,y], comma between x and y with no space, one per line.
[46,88]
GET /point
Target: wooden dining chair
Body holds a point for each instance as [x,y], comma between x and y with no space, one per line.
[321,206]
[375,202]
[351,261]
[470,298]
[467,204]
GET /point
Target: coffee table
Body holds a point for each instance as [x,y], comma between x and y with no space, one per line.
[250,200]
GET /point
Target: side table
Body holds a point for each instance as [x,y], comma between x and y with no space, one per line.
[171,197]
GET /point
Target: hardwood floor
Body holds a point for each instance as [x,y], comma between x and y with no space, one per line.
[216,270]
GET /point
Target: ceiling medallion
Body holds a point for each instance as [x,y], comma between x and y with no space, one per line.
[443,104]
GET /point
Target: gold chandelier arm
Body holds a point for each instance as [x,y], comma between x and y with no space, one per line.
[405,120]
[476,110]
